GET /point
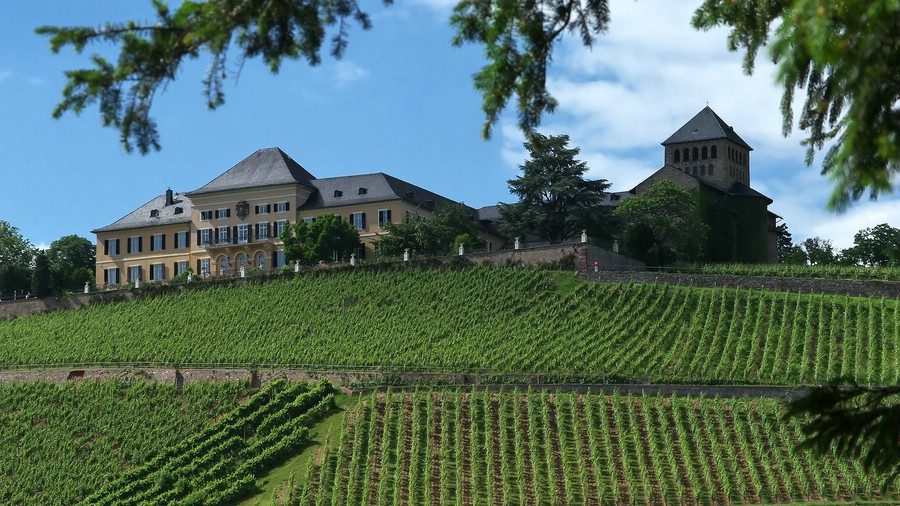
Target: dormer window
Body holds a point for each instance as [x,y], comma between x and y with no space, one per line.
[338,193]
[179,210]
[363,191]
[154,213]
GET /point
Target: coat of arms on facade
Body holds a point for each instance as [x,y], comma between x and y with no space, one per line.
[243,209]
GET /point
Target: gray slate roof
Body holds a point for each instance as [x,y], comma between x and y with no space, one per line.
[706,125]
[140,217]
[378,187]
[265,167]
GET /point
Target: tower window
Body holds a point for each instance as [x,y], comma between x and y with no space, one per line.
[694,154]
[712,151]
[703,170]
[677,156]
[710,170]
[704,153]
[685,155]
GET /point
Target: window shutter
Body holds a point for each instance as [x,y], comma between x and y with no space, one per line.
[256,231]
[268,208]
[363,220]
[106,247]
[287,206]
[198,267]
[164,242]
[105,276]
[388,216]
[228,213]
[152,273]
[274,229]
[140,244]
[198,238]
[152,245]
[128,246]
[234,234]
[256,209]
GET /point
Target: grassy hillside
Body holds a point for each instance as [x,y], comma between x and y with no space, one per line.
[504,320]
[478,448]
[59,443]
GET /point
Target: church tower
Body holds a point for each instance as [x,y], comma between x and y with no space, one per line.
[708,148]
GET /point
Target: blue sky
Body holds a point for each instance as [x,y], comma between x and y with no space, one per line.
[401,102]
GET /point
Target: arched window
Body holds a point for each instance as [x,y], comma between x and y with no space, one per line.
[710,170]
[712,151]
[703,170]
[223,265]
[730,154]
[677,156]
[685,154]
[694,154]
[259,260]
[704,153]
[694,170]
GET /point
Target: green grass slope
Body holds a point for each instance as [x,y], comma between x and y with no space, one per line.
[505,320]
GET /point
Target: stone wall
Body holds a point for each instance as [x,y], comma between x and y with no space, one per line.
[858,288]
[24,307]
[584,256]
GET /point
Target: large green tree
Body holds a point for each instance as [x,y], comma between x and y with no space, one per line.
[518,38]
[16,256]
[40,277]
[556,202]
[843,55]
[327,238]
[15,249]
[438,234]
[71,259]
[663,225]
[876,246]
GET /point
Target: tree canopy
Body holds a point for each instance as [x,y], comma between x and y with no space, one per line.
[71,260]
[844,56]
[518,39]
[878,246]
[556,202]
[438,234]
[663,225]
[327,238]
[15,249]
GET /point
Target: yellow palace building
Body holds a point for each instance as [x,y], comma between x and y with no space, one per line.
[236,219]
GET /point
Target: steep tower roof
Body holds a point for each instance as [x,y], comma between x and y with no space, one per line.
[706,125]
[265,167]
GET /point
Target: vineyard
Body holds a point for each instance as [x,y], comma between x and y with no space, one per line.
[477,447]
[49,435]
[501,320]
[220,463]
[804,271]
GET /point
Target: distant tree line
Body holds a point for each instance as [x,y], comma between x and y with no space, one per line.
[62,268]
[878,246]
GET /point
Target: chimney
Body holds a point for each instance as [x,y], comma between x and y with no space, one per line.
[169,197]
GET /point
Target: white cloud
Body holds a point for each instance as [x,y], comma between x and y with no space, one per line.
[347,72]
[649,75]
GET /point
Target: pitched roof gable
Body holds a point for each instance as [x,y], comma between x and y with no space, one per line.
[706,125]
[165,215]
[265,167]
[363,188]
